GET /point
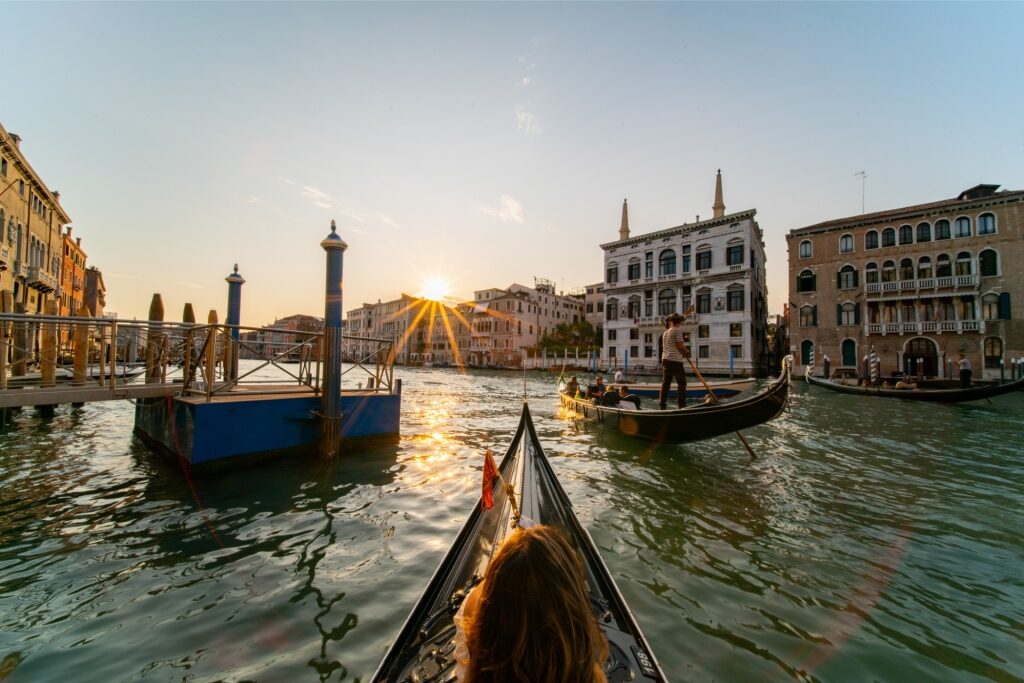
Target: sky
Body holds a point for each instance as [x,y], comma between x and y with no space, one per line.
[486,143]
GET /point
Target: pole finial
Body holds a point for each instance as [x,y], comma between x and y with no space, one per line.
[236,269]
[334,226]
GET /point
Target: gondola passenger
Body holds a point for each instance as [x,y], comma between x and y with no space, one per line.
[596,390]
[572,387]
[531,618]
[628,400]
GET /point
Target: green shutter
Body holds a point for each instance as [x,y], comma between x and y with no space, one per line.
[814,315]
[856,314]
[1004,306]
[839,314]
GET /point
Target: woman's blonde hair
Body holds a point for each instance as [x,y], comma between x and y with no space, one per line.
[535,622]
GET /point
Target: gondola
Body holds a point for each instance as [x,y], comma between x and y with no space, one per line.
[694,389]
[923,393]
[423,649]
[694,423]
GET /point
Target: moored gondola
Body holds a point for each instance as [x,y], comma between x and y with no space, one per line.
[694,423]
[424,648]
[923,392]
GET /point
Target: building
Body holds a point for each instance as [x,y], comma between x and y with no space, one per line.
[72,275]
[917,284]
[32,223]
[291,337]
[95,297]
[716,266]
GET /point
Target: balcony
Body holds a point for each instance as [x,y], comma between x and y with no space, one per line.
[39,278]
[5,257]
[929,284]
[930,327]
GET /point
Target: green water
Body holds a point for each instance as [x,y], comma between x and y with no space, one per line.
[872,540]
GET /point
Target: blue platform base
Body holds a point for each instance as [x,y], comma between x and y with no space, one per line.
[240,429]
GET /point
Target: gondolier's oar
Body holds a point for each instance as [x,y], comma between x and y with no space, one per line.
[714,399]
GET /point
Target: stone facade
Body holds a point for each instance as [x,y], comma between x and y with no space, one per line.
[31,226]
[95,291]
[917,284]
[72,275]
[717,266]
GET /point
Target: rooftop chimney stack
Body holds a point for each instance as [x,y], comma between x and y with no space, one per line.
[719,205]
[624,226]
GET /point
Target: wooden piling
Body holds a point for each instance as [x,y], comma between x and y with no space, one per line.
[19,337]
[48,348]
[6,306]
[154,343]
[211,350]
[81,341]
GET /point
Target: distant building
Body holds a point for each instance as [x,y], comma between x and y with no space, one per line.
[72,275]
[95,291]
[291,337]
[31,226]
[717,266]
[919,284]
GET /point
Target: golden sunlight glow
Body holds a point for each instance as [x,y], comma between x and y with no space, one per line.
[435,289]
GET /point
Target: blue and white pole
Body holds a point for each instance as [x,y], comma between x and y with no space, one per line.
[235,282]
[330,418]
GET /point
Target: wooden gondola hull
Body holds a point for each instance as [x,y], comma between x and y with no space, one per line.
[975,393]
[423,649]
[696,423]
[694,389]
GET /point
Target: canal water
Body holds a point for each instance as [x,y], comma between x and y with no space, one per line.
[871,540]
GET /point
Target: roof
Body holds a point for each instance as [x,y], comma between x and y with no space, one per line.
[726,220]
[913,210]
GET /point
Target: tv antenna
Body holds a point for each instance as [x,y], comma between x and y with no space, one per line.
[863,181]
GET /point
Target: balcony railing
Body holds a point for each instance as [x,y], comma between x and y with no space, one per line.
[922,284]
[39,278]
[929,327]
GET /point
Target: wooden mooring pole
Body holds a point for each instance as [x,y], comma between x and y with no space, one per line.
[211,351]
[6,306]
[81,339]
[48,355]
[19,337]
[154,343]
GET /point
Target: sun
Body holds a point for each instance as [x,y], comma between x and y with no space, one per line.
[435,288]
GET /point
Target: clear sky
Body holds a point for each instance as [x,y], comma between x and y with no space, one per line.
[486,143]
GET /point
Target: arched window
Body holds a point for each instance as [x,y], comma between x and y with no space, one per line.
[871,239]
[806,346]
[987,224]
[846,244]
[888,272]
[805,281]
[906,234]
[990,307]
[942,229]
[848,314]
[847,277]
[806,249]
[871,273]
[666,302]
[924,268]
[611,309]
[909,312]
[704,300]
[667,262]
[888,237]
[963,263]
[613,273]
[943,266]
[963,227]
[633,307]
[907,269]
[988,263]
[633,269]
[924,232]
[808,316]
[967,308]
[734,252]
[993,352]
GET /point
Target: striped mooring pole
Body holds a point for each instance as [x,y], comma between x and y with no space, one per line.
[233,320]
[330,418]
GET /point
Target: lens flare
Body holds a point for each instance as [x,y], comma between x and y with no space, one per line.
[435,289]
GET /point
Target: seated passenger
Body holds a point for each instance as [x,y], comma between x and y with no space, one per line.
[596,390]
[628,400]
[533,601]
[572,387]
[906,384]
[610,399]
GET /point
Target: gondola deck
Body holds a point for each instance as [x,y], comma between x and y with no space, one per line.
[423,649]
[974,393]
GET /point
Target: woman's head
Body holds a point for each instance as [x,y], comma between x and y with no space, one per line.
[535,621]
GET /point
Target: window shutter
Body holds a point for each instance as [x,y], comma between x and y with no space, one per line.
[856,275]
[814,284]
[856,314]
[839,314]
[839,280]
[1004,306]
[814,315]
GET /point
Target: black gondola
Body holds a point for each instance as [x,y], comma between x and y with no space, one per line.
[682,425]
[423,649]
[924,393]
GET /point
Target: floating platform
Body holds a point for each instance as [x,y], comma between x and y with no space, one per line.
[248,425]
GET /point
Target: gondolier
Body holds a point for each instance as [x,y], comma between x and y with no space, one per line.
[673,361]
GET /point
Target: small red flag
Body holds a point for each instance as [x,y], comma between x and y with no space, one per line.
[490,474]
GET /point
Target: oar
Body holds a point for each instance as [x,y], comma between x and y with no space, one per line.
[714,399]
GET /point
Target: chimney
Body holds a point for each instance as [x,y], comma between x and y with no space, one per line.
[56,195]
[719,206]
[624,226]
[78,241]
[69,231]
[16,139]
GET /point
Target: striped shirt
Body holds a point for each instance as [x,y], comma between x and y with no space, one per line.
[669,351]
